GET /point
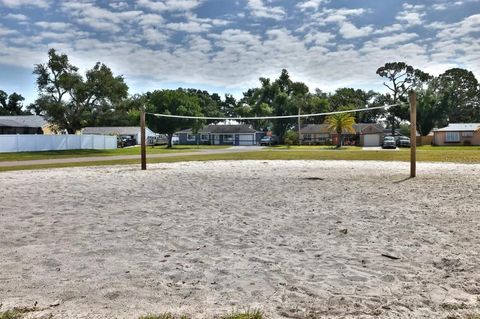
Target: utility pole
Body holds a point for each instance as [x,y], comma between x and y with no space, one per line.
[299,126]
[413,134]
[143,147]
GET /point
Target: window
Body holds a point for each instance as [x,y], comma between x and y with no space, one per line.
[452,137]
[467,134]
[204,137]
[228,138]
[191,137]
[307,137]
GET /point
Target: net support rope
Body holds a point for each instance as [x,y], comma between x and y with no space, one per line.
[270,117]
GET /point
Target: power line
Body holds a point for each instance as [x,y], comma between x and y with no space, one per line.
[269,117]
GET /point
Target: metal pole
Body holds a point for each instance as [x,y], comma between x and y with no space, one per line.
[413,134]
[142,139]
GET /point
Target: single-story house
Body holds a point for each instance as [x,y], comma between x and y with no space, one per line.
[220,134]
[23,124]
[366,134]
[131,132]
[457,134]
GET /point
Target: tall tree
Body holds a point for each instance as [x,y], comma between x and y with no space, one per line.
[350,98]
[209,104]
[71,102]
[341,123]
[459,94]
[11,104]
[402,78]
[314,104]
[280,97]
[172,102]
[429,111]
[228,105]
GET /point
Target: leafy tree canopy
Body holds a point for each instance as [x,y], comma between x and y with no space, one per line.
[173,102]
[71,102]
[11,104]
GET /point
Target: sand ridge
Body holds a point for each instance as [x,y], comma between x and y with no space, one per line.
[297,239]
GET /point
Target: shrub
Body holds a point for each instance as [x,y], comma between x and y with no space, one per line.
[291,138]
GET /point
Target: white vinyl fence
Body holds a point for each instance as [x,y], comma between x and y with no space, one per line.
[28,143]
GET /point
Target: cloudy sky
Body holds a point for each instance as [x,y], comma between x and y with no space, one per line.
[226,45]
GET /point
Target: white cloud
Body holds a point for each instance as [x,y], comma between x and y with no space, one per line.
[18,17]
[20,3]
[350,31]
[170,5]
[468,25]
[259,9]
[5,31]
[311,4]
[121,5]
[99,18]
[319,38]
[59,26]
[412,14]
[389,29]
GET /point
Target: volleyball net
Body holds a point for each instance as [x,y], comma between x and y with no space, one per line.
[299,116]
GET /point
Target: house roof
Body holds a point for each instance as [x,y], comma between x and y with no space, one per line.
[315,129]
[23,121]
[114,130]
[359,128]
[368,128]
[460,127]
[223,129]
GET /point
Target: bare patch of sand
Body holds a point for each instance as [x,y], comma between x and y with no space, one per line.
[298,239]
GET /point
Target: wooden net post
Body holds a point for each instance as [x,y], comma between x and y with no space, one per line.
[413,134]
[143,147]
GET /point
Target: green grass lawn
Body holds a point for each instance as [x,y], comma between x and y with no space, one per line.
[26,156]
[424,154]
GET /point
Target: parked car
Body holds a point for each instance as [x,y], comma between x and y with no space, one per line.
[125,141]
[389,142]
[268,141]
[403,141]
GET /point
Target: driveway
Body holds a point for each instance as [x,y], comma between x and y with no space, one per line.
[378,148]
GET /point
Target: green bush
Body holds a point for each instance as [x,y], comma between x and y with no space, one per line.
[290,138]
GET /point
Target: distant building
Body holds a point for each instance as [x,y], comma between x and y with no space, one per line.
[220,134]
[366,134]
[129,132]
[457,134]
[23,124]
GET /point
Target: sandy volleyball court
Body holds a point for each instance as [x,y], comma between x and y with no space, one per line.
[299,239]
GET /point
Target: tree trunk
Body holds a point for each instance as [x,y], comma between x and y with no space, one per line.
[393,116]
[393,125]
[170,137]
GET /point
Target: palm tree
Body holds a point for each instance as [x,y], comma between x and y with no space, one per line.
[340,123]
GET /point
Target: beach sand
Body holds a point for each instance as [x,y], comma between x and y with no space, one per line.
[295,239]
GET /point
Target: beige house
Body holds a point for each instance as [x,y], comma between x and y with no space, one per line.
[366,134]
[24,124]
[457,134]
